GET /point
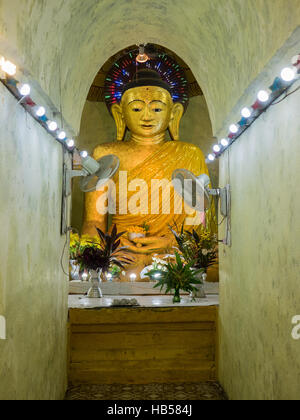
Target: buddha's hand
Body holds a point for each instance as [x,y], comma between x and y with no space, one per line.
[150,244]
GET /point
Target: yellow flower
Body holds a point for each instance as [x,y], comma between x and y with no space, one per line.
[74,239]
[135,229]
[87,240]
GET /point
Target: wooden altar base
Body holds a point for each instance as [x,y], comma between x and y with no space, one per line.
[142,345]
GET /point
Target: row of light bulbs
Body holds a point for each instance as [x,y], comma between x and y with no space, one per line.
[287,75]
[10,69]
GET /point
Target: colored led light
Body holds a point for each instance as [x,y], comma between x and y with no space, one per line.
[233,128]
[70,143]
[40,112]
[224,142]
[24,89]
[263,96]
[287,74]
[246,113]
[216,148]
[61,135]
[52,125]
[211,157]
[8,67]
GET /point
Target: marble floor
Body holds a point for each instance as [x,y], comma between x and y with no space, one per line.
[187,391]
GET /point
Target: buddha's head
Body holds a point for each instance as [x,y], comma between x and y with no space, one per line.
[147,108]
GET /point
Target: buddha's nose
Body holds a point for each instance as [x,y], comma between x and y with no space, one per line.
[146,115]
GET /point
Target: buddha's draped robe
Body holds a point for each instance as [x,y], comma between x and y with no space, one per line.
[158,166]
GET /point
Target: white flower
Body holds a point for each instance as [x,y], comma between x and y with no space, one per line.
[205,251]
[159,261]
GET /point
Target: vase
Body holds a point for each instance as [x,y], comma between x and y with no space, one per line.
[200,292]
[74,270]
[95,291]
[134,235]
[176,297]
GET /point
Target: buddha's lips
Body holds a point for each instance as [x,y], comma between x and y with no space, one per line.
[147,125]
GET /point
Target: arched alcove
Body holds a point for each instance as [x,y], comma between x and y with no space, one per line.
[97,125]
[59,45]
[226,43]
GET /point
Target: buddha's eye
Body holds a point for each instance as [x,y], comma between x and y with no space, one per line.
[157,109]
[136,109]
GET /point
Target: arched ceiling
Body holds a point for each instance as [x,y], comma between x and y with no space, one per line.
[226,43]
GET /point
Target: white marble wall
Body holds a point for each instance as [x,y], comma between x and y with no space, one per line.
[33,289]
[260,272]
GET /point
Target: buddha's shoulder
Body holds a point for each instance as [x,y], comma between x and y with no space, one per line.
[187,147]
[116,147]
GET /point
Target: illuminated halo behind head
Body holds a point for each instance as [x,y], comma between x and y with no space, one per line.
[124,71]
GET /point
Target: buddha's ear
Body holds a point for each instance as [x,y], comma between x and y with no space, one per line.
[176,114]
[117,113]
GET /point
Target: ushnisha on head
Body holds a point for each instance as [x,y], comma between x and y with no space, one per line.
[147,108]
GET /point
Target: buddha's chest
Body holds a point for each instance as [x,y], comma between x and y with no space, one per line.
[131,157]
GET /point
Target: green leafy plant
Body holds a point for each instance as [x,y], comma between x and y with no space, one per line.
[115,270]
[200,249]
[177,276]
[105,253]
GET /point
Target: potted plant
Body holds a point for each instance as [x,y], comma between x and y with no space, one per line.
[177,276]
[77,246]
[100,256]
[204,246]
[200,249]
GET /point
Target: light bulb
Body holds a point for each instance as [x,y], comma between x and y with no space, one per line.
[224,142]
[263,96]
[132,277]
[84,154]
[62,135]
[84,276]
[8,67]
[233,128]
[246,113]
[70,143]
[40,112]
[142,57]
[24,89]
[216,148]
[52,125]
[211,157]
[287,74]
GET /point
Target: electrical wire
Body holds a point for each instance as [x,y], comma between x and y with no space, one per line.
[69,229]
[285,96]
[62,255]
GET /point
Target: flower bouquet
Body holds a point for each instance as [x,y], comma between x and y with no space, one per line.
[98,256]
[177,276]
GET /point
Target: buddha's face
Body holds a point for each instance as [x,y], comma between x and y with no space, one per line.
[147,110]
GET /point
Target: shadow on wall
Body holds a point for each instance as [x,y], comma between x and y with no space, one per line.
[97,127]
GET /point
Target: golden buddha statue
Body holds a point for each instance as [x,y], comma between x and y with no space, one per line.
[147,110]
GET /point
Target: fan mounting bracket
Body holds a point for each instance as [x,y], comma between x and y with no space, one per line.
[68,175]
